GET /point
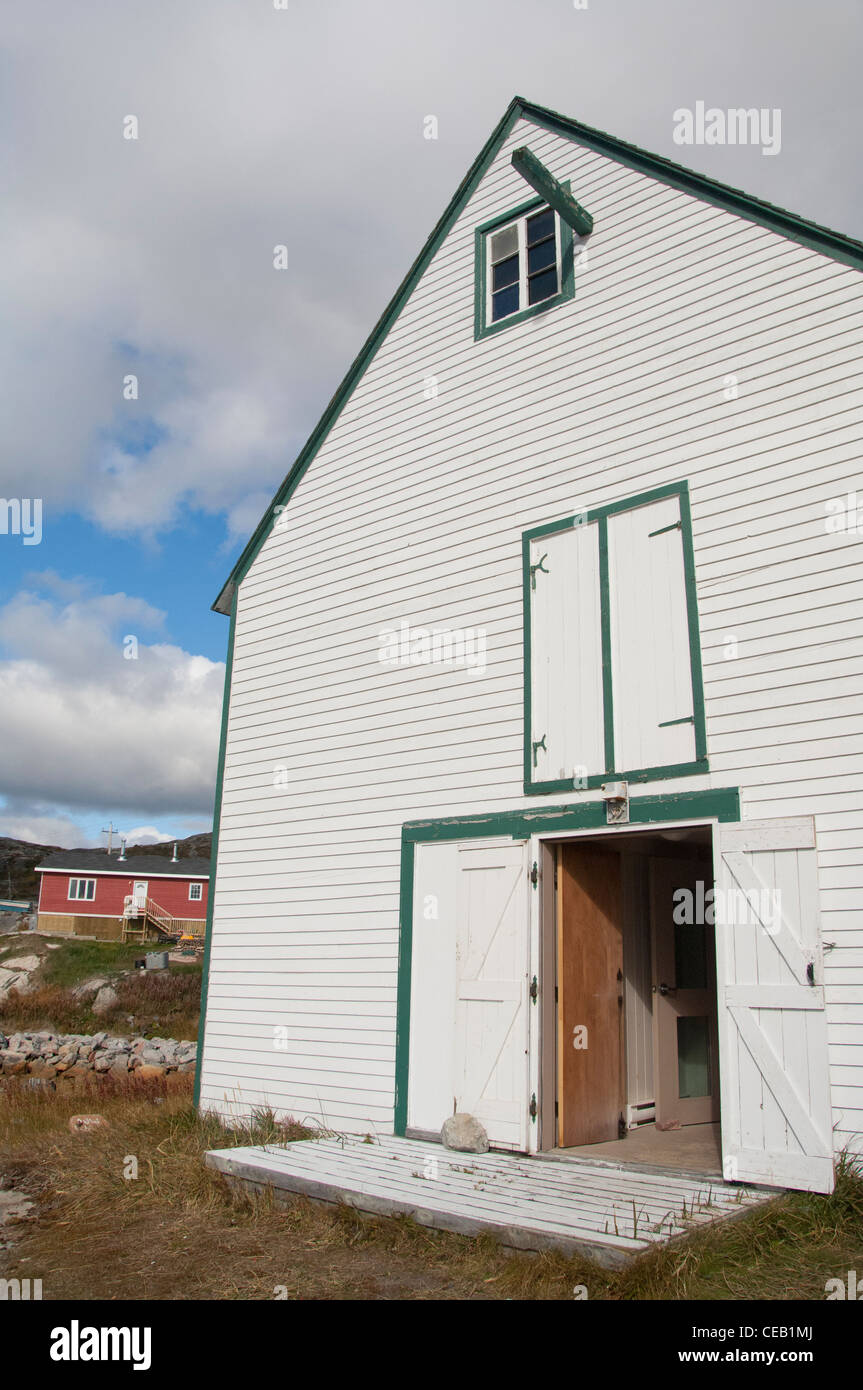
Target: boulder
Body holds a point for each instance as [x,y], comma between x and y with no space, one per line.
[106,999]
[89,987]
[12,979]
[465,1134]
[25,963]
[13,1062]
[42,1069]
[78,1072]
[84,1124]
[39,1083]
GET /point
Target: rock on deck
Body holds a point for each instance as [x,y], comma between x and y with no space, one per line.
[609,1213]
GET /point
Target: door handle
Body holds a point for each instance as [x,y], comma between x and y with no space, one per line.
[667,989]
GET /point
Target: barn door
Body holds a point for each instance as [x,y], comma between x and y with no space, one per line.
[774,1077]
[491,1007]
[589,995]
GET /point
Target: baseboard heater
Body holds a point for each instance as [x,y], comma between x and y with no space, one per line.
[642,1114]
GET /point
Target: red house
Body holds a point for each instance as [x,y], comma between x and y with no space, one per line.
[88,892]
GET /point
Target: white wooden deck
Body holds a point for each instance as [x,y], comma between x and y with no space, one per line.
[604,1211]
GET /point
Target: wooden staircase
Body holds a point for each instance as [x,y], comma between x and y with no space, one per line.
[139,917]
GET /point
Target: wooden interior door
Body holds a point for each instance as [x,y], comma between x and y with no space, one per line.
[685,1043]
[589,995]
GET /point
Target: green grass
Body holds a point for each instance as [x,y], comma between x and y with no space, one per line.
[75,961]
[163,1002]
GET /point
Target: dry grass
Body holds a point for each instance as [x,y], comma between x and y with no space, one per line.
[163,1002]
[178,1232]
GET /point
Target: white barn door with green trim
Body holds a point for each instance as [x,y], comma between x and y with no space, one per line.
[774,1071]
[470,1007]
[491,1007]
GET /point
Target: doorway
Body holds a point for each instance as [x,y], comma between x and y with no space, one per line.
[636,1072]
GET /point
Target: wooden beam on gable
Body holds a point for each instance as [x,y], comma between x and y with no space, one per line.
[534,172]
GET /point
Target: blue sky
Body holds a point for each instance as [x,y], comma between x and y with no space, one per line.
[153,256]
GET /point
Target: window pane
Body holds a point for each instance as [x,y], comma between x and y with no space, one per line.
[539,227]
[504,243]
[690,956]
[505,274]
[504,302]
[541,256]
[693,1057]
[91,888]
[540,286]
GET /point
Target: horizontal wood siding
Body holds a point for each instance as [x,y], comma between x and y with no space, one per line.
[111,890]
[413,510]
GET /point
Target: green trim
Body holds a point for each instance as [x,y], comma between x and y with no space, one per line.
[526,577]
[214,849]
[481,329]
[816,238]
[605,626]
[556,194]
[720,805]
[694,632]
[600,515]
[814,235]
[626,504]
[641,774]
[403,989]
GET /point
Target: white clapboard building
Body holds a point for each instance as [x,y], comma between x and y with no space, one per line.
[540,780]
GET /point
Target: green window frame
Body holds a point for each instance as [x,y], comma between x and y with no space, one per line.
[482,328]
[600,515]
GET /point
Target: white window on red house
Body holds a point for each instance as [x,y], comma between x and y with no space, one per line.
[195,892]
[82,888]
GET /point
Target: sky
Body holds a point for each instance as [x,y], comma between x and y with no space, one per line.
[300,123]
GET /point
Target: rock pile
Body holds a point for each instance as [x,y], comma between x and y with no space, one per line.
[55,1057]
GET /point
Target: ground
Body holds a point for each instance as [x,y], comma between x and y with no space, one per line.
[175,1231]
[162,1003]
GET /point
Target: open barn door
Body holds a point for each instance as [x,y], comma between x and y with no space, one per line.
[774,1078]
[469,997]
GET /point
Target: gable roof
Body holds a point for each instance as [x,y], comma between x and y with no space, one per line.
[810,234]
[134,866]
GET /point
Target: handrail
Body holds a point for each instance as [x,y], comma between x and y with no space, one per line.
[148,908]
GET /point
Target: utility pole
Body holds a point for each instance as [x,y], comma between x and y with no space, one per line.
[109,830]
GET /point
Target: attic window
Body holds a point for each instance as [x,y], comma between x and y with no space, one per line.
[523,265]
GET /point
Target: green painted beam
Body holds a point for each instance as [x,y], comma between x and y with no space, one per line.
[534,172]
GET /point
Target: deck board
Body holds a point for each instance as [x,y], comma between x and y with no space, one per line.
[528,1203]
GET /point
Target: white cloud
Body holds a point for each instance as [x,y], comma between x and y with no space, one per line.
[44,827]
[85,727]
[146,835]
[304,127]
